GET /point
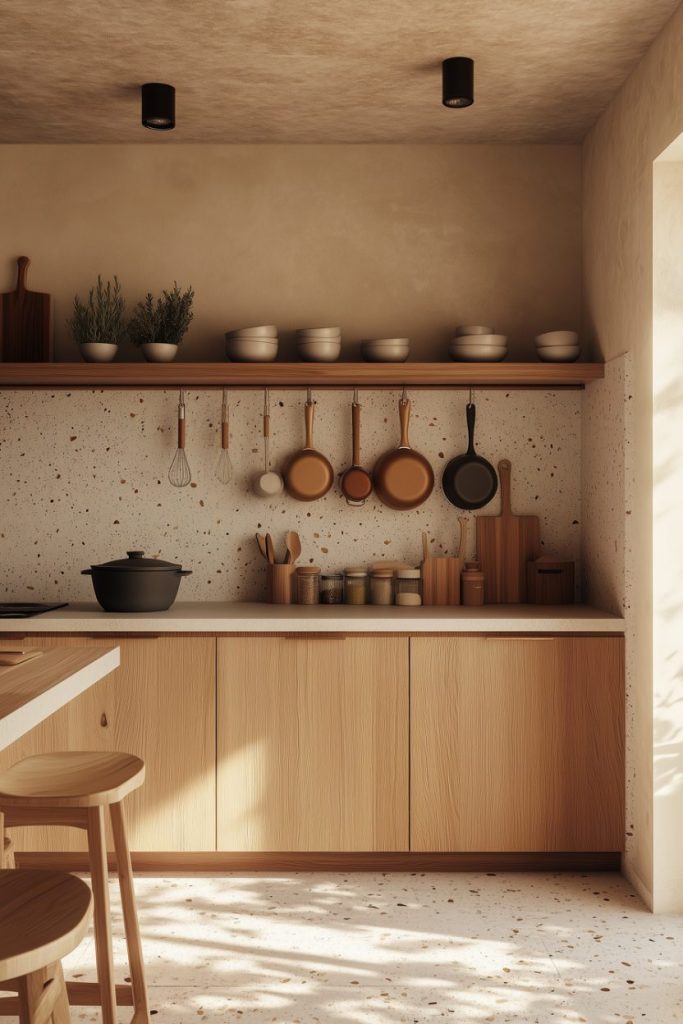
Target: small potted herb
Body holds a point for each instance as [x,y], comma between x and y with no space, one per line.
[98,325]
[158,328]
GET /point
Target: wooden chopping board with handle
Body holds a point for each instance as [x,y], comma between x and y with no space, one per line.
[25,322]
[505,543]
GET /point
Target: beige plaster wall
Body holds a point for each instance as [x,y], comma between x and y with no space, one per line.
[382,240]
[618,154]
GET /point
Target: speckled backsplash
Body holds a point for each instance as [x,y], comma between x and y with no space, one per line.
[84,479]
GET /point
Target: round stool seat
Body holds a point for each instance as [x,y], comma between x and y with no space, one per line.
[71,779]
[43,917]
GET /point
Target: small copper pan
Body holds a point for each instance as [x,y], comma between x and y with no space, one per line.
[356,482]
[308,474]
[403,478]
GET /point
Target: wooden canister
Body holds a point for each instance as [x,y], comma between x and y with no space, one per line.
[280,583]
[472,585]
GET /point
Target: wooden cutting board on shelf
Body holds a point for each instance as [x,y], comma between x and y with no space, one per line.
[25,322]
[505,543]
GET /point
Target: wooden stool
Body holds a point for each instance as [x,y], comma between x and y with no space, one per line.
[43,916]
[73,789]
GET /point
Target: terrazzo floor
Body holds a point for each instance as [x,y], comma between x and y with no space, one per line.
[401,949]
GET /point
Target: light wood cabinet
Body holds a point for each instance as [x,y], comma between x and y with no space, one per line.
[312,745]
[160,705]
[517,744]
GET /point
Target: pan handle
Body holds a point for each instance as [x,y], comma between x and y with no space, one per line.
[504,473]
[355,431]
[310,410]
[404,416]
[471,413]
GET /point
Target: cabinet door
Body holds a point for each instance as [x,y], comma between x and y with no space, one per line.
[517,744]
[160,705]
[312,744]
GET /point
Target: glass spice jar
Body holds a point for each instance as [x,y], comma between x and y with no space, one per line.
[308,584]
[472,585]
[382,586]
[409,587]
[332,588]
[355,586]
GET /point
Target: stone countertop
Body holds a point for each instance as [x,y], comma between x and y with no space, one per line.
[219,617]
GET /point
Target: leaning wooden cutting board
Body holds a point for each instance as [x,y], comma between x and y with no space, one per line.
[505,543]
[25,335]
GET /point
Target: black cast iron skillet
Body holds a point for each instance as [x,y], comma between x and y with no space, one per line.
[469,481]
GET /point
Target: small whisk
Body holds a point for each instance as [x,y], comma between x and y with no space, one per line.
[179,474]
[224,464]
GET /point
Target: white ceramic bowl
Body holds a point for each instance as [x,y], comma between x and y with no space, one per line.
[269,331]
[470,330]
[319,332]
[480,340]
[481,355]
[559,354]
[321,350]
[551,339]
[386,350]
[251,350]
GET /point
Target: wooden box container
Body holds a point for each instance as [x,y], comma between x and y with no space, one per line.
[549,581]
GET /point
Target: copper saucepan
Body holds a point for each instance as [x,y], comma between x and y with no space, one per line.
[308,474]
[356,482]
[403,478]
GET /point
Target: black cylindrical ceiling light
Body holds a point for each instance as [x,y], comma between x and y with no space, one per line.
[458,82]
[158,106]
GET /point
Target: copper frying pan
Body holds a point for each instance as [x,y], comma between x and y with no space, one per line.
[403,478]
[308,474]
[356,482]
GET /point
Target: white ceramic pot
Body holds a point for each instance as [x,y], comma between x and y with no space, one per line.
[159,351]
[99,351]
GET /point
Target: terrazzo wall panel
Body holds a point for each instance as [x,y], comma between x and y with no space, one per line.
[85,479]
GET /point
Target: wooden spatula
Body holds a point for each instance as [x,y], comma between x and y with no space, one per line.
[505,543]
[25,322]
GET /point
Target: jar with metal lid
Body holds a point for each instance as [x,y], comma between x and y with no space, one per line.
[308,584]
[409,587]
[472,585]
[382,586]
[356,590]
[332,588]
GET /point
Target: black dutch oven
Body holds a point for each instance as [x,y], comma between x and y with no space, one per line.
[136,583]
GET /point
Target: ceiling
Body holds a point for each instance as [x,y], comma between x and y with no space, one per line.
[331,71]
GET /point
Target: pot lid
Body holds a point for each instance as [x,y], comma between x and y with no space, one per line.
[136,560]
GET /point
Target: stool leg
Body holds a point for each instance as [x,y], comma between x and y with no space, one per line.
[100,888]
[8,848]
[60,1011]
[130,915]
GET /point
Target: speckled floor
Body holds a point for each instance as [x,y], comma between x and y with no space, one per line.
[402,949]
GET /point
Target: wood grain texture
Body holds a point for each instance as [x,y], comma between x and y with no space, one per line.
[517,744]
[22,683]
[298,375]
[159,706]
[159,863]
[24,321]
[312,744]
[70,778]
[43,917]
[505,543]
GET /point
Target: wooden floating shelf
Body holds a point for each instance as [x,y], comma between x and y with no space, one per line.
[298,375]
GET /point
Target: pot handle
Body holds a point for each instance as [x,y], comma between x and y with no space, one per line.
[86,572]
[184,572]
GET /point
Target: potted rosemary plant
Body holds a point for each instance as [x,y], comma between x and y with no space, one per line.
[98,324]
[158,328]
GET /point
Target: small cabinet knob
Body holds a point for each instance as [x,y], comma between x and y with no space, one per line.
[103,720]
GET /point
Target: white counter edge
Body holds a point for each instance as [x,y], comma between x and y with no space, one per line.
[224,618]
[14,725]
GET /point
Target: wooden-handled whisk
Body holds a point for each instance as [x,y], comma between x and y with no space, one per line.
[179,474]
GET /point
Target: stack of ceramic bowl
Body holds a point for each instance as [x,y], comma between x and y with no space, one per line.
[477,344]
[385,350]
[318,344]
[558,346]
[252,344]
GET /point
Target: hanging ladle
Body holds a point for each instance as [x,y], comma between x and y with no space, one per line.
[356,482]
[269,484]
[179,474]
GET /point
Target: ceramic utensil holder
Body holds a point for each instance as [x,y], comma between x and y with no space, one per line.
[280,583]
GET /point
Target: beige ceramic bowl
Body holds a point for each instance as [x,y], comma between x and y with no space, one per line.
[268,331]
[320,350]
[386,350]
[553,339]
[251,350]
[559,354]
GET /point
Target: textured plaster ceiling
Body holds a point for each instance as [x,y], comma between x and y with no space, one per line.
[301,71]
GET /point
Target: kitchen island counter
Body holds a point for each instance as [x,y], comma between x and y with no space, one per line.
[235,618]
